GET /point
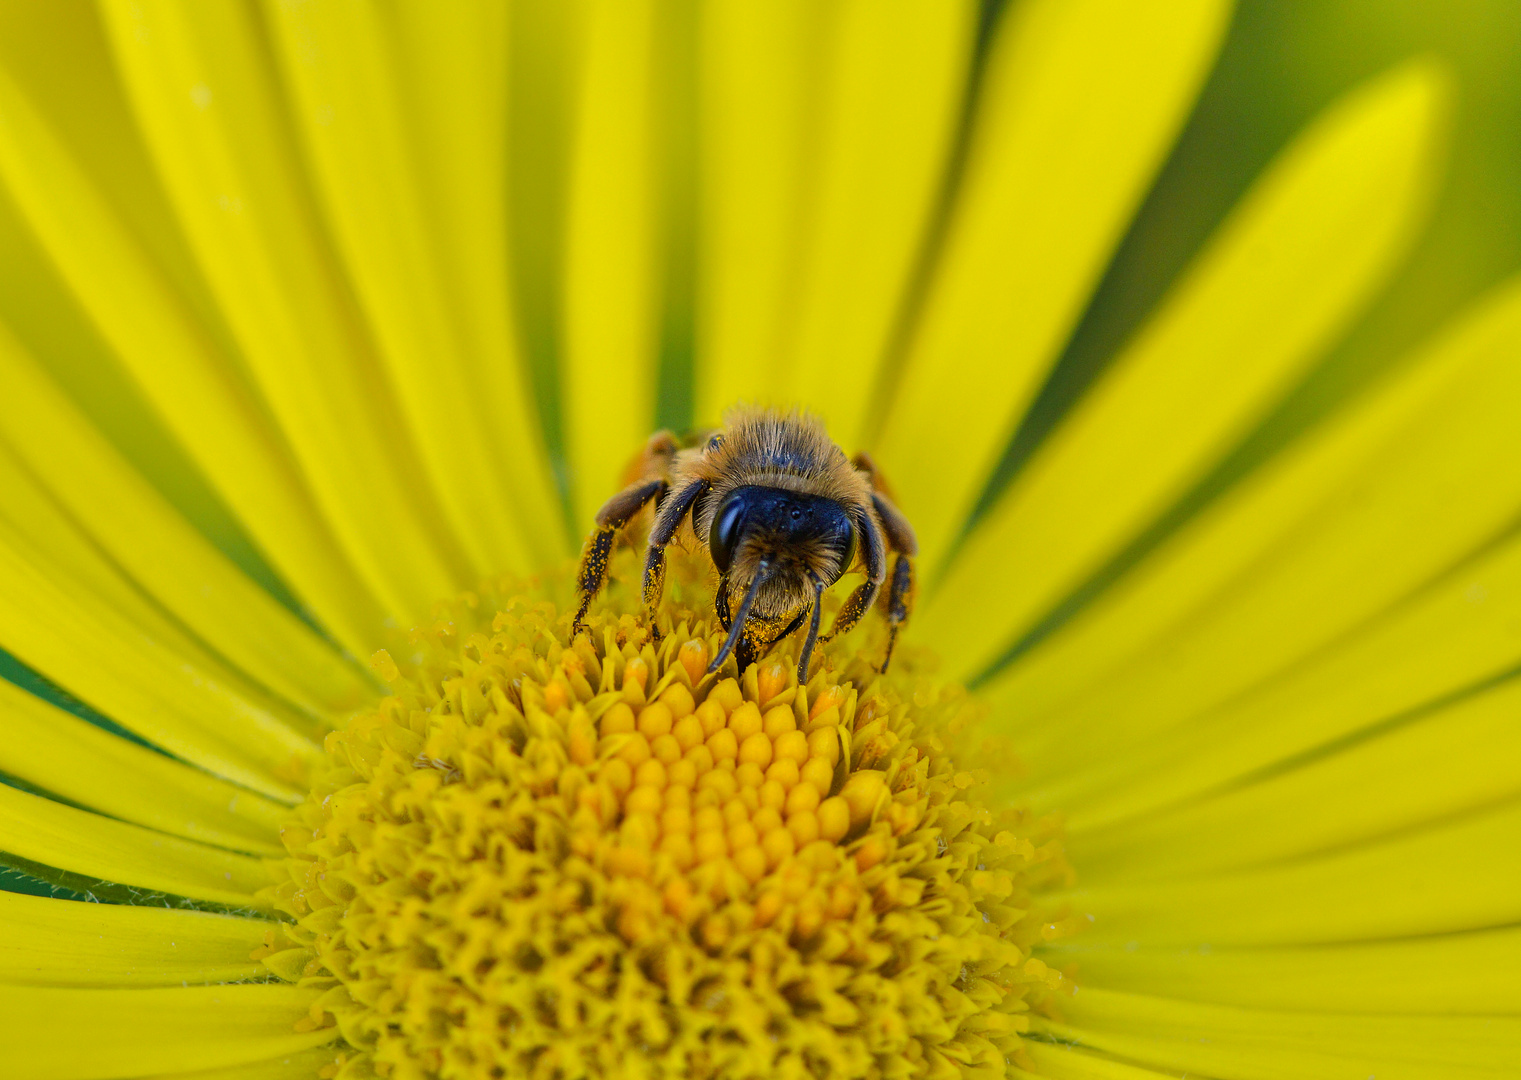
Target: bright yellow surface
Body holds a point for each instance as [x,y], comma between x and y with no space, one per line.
[176,362]
[233,171]
[87,1034]
[763,69]
[875,136]
[55,623]
[339,64]
[1284,741]
[613,259]
[153,544]
[1246,1044]
[72,758]
[452,69]
[1455,636]
[1278,282]
[1430,767]
[1207,554]
[56,835]
[1424,881]
[47,942]
[300,1065]
[1081,100]
[1440,974]
[1417,507]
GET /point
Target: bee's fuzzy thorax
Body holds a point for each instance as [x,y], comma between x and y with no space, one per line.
[782,512]
[788,450]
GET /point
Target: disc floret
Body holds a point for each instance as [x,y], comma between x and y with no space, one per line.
[545,856]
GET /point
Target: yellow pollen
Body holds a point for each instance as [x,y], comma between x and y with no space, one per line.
[543,857]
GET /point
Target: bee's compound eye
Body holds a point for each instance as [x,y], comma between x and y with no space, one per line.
[725,532]
[715,440]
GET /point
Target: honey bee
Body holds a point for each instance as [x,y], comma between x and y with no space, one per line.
[783,514]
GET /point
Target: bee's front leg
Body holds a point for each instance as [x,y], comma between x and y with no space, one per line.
[668,518]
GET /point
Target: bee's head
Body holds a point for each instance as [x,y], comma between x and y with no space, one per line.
[793,540]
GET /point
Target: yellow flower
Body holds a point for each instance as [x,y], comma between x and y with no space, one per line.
[324,329]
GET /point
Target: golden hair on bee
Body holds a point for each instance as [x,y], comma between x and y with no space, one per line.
[782,512]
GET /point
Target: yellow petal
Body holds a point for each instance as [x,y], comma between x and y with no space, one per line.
[45,942]
[1207,553]
[76,760]
[85,1034]
[178,364]
[889,118]
[348,107]
[302,1065]
[1443,878]
[1446,974]
[1448,644]
[213,116]
[453,60]
[1280,280]
[612,256]
[1067,1061]
[66,615]
[168,559]
[1247,1044]
[1411,513]
[42,831]
[1080,102]
[876,135]
[763,66]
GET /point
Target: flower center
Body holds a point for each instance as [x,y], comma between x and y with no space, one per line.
[543,857]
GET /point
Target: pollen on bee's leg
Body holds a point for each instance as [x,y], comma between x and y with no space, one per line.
[589,851]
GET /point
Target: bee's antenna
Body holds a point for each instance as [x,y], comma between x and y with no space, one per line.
[813,632]
[737,626]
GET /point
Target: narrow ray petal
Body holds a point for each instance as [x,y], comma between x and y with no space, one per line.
[130,665]
[1450,974]
[453,60]
[212,112]
[897,86]
[1416,510]
[151,542]
[178,365]
[1080,103]
[1208,552]
[1432,767]
[763,66]
[50,833]
[86,1034]
[302,1065]
[56,751]
[878,135]
[46,942]
[1068,1061]
[1283,277]
[1440,879]
[1452,641]
[612,251]
[1248,1044]
[340,67]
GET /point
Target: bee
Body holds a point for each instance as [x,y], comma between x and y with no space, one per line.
[782,513]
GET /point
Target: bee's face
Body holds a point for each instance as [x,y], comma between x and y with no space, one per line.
[794,539]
